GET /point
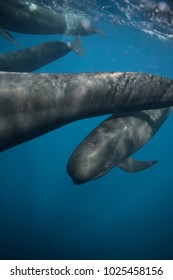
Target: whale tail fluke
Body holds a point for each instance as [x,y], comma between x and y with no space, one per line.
[76,46]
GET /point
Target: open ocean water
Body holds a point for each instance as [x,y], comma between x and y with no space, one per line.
[43,215]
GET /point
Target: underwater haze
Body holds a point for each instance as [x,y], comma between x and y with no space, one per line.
[43,215]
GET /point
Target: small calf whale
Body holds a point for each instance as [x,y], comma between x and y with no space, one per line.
[30,18]
[113,142]
[34,104]
[30,59]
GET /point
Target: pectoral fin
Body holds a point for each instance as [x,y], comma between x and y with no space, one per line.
[133,165]
[8,36]
[76,46]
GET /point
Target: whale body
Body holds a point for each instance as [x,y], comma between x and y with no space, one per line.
[30,18]
[30,59]
[112,143]
[34,104]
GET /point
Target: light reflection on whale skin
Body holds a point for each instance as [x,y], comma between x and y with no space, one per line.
[34,104]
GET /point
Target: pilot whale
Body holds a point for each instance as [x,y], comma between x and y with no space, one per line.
[34,104]
[112,143]
[30,59]
[30,18]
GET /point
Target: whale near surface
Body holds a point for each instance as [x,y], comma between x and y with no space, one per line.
[30,59]
[30,18]
[34,104]
[112,143]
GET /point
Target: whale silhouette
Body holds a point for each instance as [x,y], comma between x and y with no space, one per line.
[30,59]
[112,143]
[34,104]
[30,18]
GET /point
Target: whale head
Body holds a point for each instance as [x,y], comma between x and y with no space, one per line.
[84,166]
[92,159]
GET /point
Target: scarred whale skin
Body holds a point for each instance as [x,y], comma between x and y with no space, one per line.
[113,142]
[34,104]
[30,59]
[30,18]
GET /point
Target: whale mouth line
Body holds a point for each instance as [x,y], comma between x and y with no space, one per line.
[78,181]
[100,174]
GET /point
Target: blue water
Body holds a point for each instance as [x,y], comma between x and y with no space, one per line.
[43,215]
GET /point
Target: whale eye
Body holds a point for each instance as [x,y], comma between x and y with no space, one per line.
[107,166]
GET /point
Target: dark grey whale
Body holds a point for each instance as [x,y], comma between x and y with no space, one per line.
[34,104]
[30,59]
[112,143]
[30,18]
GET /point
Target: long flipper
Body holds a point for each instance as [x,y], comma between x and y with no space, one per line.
[76,46]
[133,165]
[8,36]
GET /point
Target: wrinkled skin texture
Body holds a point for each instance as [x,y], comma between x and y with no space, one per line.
[34,104]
